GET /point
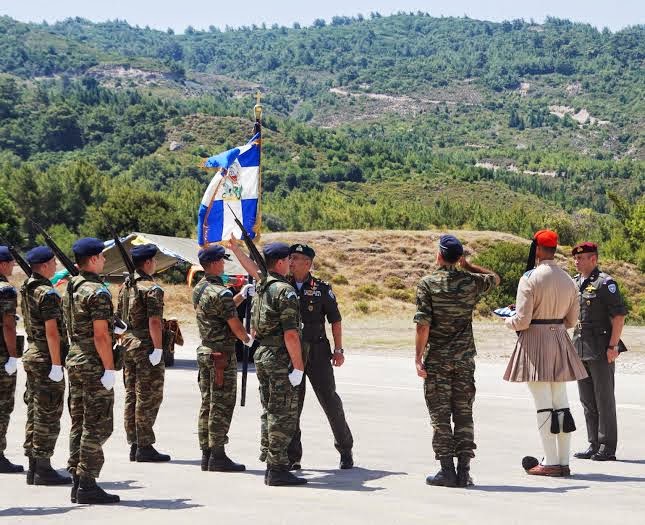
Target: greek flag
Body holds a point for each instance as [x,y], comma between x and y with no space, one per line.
[236,184]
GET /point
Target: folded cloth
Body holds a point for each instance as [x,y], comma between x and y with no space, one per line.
[505,312]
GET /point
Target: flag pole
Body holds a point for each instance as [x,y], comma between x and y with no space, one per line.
[257,109]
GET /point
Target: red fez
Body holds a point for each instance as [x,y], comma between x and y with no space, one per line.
[546,238]
[585,247]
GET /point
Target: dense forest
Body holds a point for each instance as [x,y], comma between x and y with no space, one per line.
[406,121]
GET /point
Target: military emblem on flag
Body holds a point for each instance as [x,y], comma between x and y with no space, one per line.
[236,183]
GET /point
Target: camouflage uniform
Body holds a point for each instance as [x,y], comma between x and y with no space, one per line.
[445,301]
[44,397]
[8,305]
[214,306]
[90,403]
[275,310]
[138,302]
[317,302]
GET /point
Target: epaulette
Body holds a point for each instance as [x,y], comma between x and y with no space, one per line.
[52,291]
[225,292]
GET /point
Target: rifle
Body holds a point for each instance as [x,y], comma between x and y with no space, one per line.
[246,350]
[127,260]
[254,254]
[60,254]
[24,265]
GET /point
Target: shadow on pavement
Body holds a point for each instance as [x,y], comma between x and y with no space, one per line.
[608,478]
[520,488]
[166,504]
[35,511]
[350,479]
[184,364]
[128,484]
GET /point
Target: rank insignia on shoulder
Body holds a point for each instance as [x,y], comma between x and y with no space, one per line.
[612,288]
[291,295]
[225,292]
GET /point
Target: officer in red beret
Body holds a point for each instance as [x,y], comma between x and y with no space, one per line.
[597,341]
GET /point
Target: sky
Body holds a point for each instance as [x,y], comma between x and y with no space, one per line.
[179,14]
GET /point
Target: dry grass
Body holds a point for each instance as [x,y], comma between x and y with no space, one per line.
[374,273]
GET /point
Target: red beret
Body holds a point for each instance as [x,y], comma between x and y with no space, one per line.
[547,238]
[585,247]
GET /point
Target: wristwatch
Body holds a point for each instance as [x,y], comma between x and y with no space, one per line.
[339,351]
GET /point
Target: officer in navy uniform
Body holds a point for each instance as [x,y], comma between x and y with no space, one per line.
[597,341]
[317,302]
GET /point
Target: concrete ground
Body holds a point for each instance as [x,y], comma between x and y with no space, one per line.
[386,412]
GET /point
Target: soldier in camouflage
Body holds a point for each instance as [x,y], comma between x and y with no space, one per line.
[445,356]
[47,336]
[278,360]
[8,354]
[219,327]
[90,366]
[140,305]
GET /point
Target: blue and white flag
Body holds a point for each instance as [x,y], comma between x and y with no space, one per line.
[236,184]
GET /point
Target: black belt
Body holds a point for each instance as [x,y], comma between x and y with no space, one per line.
[547,321]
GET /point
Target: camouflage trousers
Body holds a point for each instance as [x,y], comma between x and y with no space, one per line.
[91,411]
[7,392]
[218,403]
[449,392]
[143,396]
[45,400]
[319,371]
[279,403]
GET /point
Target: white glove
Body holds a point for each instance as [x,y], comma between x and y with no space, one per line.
[155,356]
[11,366]
[248,290]
[122,330]
[56,373]
[295,377]
[107,380]
[249,343]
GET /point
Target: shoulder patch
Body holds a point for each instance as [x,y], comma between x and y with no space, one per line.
[291,295]
[8,291]
[612,287]
[103,290]
[331,294]
[225,293]
[52,291]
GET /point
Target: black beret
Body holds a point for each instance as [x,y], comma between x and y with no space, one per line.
[450,247]
[143,252]
[276,250]
[212,253]
[87,246]
[585,247]
[5,254]
[304,249]
[39,255]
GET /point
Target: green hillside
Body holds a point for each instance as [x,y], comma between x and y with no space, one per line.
[406,121]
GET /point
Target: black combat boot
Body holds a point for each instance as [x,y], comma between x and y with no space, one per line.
[220,462]
[89,492]
[7,467]
[148,454]
[206,455]
[75,482]
[463,472]
[446,477]
[44,474]
[282,478]
[30,471]
[346,460]
[133,452]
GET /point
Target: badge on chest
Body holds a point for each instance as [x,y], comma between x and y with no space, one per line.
[312,293]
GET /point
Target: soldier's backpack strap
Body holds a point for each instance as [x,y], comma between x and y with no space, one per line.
[27,287]
[259,296]
[200,292]
[72,287]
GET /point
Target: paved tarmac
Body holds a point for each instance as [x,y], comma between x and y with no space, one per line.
[386,412]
